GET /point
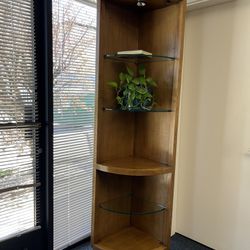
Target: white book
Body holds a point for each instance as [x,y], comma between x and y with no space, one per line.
[134,52]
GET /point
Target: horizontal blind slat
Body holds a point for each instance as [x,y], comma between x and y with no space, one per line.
[19,127]
[74,93]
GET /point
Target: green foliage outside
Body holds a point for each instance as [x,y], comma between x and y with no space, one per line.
[5,172]
[78,111]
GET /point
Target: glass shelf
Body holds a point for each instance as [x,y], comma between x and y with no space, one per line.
[138,110]
[132,205]
[138,58]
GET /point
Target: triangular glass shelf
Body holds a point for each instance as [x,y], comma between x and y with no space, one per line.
[138,110]
[138,58]
[132,205]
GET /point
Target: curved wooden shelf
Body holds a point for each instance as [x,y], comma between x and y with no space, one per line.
[128,239]
[134,167]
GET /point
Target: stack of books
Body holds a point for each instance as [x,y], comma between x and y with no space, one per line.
[134,53]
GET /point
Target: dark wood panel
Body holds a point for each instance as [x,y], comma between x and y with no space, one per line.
[158,34]
[153,188]
[115,131]
[108,187]
[150,4]
[152,136]
[158,31]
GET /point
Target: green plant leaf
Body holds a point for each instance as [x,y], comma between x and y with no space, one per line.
[130,71]
[128,78]
[131,86]
[142,91]
[125,92]
[138,96]
[129,100]
[122,77]
[151,82]
[147,95]
[133,96]
[136,80]
[142,70]
[119,100]
[142,80]
[113,85]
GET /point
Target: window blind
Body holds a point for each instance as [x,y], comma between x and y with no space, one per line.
[19,127]
[74,46]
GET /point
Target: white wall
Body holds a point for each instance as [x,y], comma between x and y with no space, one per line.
[213,177]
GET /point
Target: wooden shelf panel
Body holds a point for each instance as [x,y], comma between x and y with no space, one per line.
[129,239]
[134,167]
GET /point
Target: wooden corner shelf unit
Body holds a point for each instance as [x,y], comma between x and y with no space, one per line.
[135,152]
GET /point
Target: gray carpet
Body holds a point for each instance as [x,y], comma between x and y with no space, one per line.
[178,242]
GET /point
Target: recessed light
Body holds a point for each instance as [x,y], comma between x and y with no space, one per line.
[141,3]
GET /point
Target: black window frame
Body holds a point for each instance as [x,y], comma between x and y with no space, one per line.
[42,238]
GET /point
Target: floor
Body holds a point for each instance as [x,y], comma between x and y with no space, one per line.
[178,242]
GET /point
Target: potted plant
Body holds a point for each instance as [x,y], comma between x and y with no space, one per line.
[133,92]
